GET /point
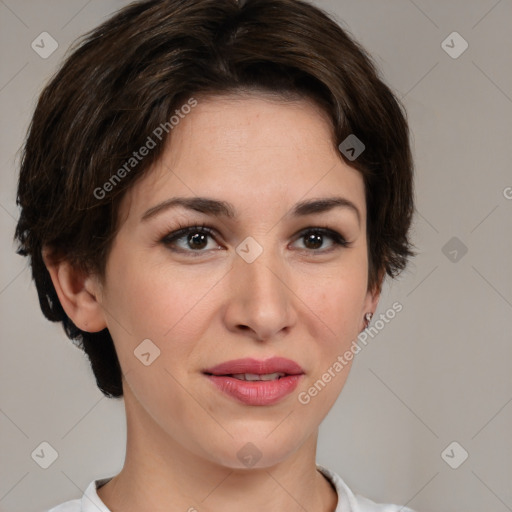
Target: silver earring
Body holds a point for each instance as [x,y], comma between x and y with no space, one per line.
[368,318]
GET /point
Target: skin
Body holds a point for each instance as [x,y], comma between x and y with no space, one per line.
[295,300]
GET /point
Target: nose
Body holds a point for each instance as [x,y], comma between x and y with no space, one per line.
[260,298]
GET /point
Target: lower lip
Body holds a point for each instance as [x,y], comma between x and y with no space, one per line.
[261,392]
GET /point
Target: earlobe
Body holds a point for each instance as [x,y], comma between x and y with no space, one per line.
[371,302]
[77,292]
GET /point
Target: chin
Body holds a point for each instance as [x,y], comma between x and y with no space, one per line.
[261,448]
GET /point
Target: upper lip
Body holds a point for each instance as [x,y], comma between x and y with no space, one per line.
[257,367]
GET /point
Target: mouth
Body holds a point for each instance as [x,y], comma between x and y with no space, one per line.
[254,382]
[253,377]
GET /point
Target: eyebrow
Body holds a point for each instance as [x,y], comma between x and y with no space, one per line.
[218,208]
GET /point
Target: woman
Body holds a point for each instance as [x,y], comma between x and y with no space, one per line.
[211,195]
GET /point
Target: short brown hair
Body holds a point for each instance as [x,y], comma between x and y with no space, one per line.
[130,74]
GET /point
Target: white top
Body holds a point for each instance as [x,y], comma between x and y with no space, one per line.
[347,500]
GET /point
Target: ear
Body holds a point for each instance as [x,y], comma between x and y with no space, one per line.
[372,298]
[78,293]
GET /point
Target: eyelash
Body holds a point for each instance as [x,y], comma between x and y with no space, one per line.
[204,229]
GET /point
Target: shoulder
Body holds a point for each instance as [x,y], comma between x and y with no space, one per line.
[89,502]
[353,502]
[366,505]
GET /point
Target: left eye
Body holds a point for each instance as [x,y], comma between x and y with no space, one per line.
[315,237]
[197,239]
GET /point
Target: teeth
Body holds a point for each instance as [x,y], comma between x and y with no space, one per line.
[254,376]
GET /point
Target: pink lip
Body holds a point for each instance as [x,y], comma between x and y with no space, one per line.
[272,365]
[256,392]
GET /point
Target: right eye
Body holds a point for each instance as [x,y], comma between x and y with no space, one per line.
[193,239]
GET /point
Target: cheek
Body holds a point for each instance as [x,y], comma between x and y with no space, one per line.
[338,301]
[148,303]
[150,298]
[159,302]
[335,308]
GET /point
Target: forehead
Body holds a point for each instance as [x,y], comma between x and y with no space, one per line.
[243,147]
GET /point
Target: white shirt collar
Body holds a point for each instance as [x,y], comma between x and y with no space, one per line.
[347,501]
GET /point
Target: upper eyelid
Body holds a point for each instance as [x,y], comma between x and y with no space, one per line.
[211,229]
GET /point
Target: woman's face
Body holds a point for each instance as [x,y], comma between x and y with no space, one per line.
[260,284]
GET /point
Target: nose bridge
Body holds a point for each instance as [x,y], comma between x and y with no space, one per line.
[263,299]
[261,268]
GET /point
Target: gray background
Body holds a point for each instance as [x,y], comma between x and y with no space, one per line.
[438,373]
